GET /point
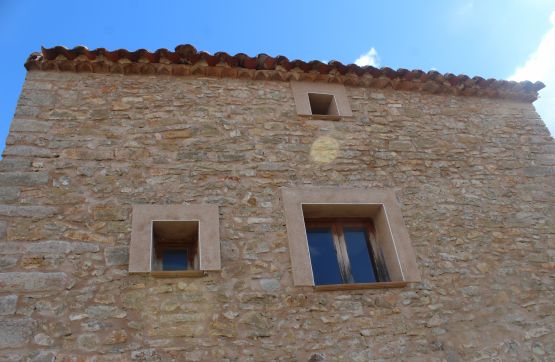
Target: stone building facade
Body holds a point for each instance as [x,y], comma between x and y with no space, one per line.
[96,133]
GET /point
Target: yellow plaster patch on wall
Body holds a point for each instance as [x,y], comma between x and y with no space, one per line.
[324,150]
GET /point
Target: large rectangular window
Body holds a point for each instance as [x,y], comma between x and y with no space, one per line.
[341,252]
[342,238]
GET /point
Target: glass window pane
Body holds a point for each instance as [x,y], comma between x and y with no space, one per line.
[362,267]
[323,257]
[174,259]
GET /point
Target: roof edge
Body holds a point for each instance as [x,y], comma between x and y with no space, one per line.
[186,60]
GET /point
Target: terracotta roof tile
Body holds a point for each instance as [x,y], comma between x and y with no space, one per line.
[186,60]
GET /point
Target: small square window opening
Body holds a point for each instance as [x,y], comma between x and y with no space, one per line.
[323,104]
[175,245]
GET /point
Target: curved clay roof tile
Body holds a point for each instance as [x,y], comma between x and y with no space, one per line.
[240,59]
[50,53]
[143,61]
[401,72]
[354,69]
[166,54]
[249,63]
[265,62]
[321,67]
[388,72]
[283,62]
[185,50]
[373,71]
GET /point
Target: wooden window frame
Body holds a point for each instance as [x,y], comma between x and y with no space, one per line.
[379,205]
[338,226]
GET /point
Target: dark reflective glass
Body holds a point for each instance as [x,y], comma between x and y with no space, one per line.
[323,257]
[174,259]
[357,249]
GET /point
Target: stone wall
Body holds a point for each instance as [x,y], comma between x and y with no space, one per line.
[475,178]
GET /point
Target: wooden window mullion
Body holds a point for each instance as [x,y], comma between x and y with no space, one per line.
[341,248]
[337,241]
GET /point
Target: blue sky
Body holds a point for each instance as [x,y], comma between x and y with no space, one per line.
[504,39]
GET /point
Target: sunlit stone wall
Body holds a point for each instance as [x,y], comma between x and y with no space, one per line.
[474,177]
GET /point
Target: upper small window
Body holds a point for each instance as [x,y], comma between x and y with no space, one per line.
[323,104]
[326,101]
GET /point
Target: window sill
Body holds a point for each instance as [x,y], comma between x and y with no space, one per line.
[323,117]
[178,274]
[329,287]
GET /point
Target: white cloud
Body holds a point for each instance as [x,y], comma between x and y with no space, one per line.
[541,66]
[369,58]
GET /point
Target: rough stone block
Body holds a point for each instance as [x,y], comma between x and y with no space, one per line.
[61,247]
[401,146]
[13,247]
[179,133]
[110,213]
[37,97]
[23,178]
[43,340]
[117,255]
[88,342]
[191,155]
[27,211]
[98,154]
[8,304]
[28,125]
[25,111]
[33,281]
[104,312]
[9,193]
[7,262]
[42,356]
[150,355]
[14,164]
[538,171]
[3,230]
[16,332]
[29,151]
[270,285]
[116,337]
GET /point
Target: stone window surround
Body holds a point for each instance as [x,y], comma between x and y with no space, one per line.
[378,204]
[302,103]
[140,250]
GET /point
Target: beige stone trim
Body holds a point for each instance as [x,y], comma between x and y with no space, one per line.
[302,104]
[140,252]
[384,285]
[378,204]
